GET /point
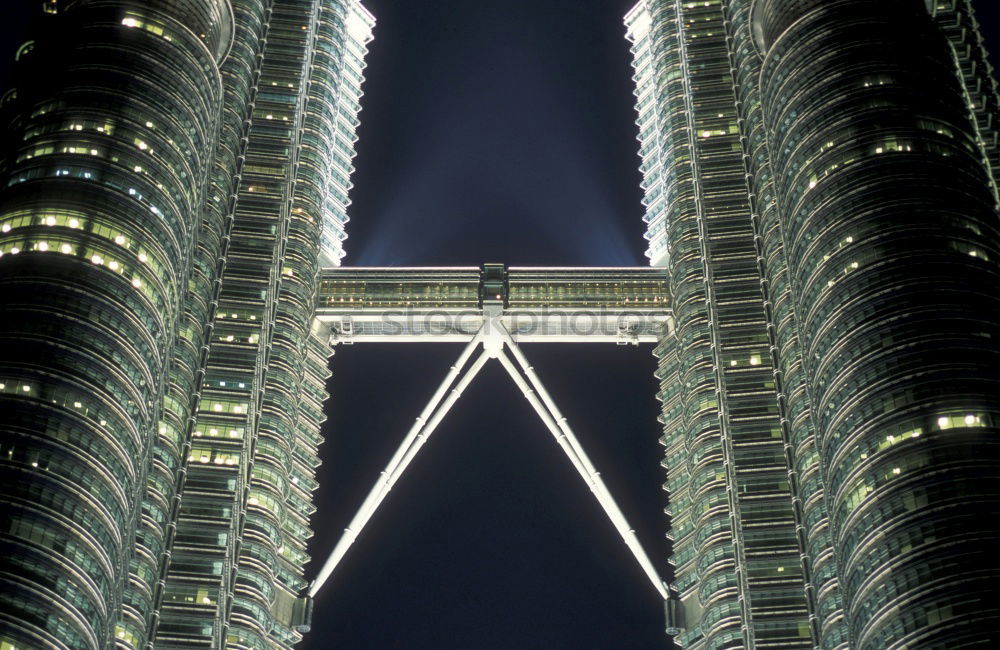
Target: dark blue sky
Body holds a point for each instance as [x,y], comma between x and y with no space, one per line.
[496,131]
[492,131]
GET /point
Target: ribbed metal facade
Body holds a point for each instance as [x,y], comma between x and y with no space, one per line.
[892,241]
[736,552]
[856,141]
[168,182]
[98,214]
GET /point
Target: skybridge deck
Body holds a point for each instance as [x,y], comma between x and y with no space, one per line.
[539,304]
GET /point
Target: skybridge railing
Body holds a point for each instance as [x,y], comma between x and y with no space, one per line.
[556,305]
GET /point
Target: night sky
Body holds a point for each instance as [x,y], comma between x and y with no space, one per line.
[492,132]
[496,132]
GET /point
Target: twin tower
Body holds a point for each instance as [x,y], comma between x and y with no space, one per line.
[821,204]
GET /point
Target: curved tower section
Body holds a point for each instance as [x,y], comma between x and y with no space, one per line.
[112,126]
[145,599]
[233,570]
[892,244]
[280,506]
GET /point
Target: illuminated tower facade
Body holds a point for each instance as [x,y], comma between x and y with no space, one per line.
[819,180]
[176,172]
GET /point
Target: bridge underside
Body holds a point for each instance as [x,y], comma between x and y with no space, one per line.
[441,305]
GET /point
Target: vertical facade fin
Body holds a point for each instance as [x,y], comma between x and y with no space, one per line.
[735,527]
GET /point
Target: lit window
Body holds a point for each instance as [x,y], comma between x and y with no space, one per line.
[962,420]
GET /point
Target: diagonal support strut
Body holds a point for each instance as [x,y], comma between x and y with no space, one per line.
[424,426]
[494,337]
[556,424]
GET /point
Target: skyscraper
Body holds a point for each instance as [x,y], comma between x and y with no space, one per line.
[820,190]
[819,181]
[177,172]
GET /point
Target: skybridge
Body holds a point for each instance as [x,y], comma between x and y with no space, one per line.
[493,310]
[445,305]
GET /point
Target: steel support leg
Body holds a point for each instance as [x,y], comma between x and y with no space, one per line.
[559,428]
[435,411]
[424,426]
